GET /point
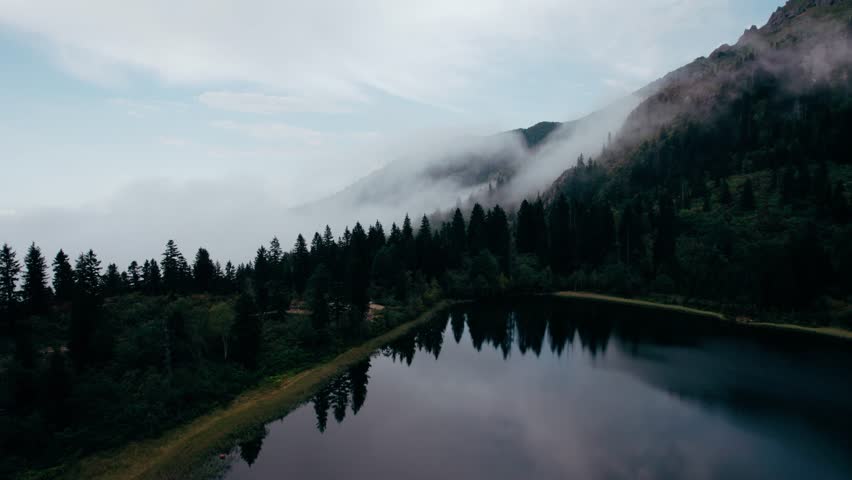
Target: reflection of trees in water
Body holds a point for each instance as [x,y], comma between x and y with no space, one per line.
[533,326]
[428,337]
[336,395]
[529,324]
[457,319]
[250,449]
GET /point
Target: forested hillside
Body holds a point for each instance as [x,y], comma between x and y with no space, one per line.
[728,186]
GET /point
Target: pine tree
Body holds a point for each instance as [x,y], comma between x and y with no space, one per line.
[301,265]
[85,309]
[376,238]
[561,244]
[395,237]
[476,230]
[203,271]
[152,279]
[497,228]
[525,233]
[276,254]
[87,275]
[134,277]
[174,268]
[408,245]
[35,291]
[10,268]
[111,282]
[319,287]
[230,277]
[458,233]
[425,259]
[262,273]
[63,277]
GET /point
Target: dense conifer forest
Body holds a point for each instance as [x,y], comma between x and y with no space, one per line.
[743,207]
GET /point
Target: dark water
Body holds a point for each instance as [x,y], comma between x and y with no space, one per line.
[551,389]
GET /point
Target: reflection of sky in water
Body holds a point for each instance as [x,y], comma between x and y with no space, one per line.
[677,406]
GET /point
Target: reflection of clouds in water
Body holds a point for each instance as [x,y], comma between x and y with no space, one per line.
[614,413]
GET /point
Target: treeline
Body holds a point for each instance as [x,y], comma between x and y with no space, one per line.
[748,207]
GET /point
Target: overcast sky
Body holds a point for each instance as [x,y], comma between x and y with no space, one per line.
[295,100]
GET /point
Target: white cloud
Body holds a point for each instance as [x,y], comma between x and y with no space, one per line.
[328,53]
[248,102]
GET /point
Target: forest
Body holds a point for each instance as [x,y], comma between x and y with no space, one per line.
[747,212]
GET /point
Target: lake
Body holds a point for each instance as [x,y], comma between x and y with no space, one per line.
[554,388]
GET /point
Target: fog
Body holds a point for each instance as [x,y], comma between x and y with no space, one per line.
[231,217]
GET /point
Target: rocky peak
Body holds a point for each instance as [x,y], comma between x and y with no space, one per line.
[794,8]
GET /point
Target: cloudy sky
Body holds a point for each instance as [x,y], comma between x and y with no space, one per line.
[295,100]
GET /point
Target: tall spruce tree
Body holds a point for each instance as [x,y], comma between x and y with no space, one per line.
[476,230]
[301,265]
[203,271]
[63,277]
[10,268]
[35,292]
[174,268]
[497,227]
[112,284]
[134,277]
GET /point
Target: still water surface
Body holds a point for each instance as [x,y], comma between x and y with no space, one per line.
[555,389]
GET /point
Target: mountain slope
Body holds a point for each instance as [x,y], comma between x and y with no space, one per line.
[731,181]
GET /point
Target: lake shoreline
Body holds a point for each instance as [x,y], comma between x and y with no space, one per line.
[179,452]
[833,332]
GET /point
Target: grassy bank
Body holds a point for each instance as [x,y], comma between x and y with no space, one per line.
[179,452]
[835,332]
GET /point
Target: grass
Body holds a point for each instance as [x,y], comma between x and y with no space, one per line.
[835,332]
[180,452]
[639,303]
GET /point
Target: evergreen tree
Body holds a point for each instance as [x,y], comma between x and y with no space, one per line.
[85,309]
[230,277]
[425,257]
[476,230]
[561,244]
[152,278]
[457,239]
[319,288]
[261,278]
[203,271]
[134,277]
[63,277]
[87,275]
[301,265]
[276,254]
[525,235]
[497,228]
[376,238]
[35,291]
[112,281]
[10,268]
[408,245]
[174,268]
